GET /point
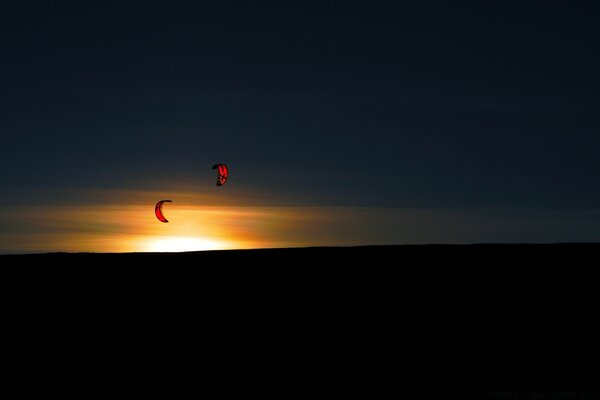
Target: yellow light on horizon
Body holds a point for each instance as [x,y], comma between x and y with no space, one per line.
[133,227]
[179,244]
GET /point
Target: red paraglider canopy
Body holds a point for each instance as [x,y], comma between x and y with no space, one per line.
[158,210]
[223,173]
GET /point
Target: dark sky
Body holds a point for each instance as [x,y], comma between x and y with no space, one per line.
[383,104]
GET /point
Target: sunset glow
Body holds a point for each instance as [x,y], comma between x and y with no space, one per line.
[117,221]
[179,244]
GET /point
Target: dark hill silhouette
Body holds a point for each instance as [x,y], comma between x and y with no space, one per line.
[489,252]
[434,321]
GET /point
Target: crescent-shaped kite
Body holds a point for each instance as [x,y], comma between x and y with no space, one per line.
[223,173]
[158,210]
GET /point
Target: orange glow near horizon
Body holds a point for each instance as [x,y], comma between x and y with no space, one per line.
[179,244]
[115,221]
[126,222]
[135,228]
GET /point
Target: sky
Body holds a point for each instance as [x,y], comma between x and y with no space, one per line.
[342,123]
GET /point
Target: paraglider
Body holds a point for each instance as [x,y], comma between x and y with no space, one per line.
[158,210]
[223,173]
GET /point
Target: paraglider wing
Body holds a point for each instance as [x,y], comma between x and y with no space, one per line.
[223,173]
[158,210]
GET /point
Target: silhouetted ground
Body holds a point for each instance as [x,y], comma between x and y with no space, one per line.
[429,322]
[488,253]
